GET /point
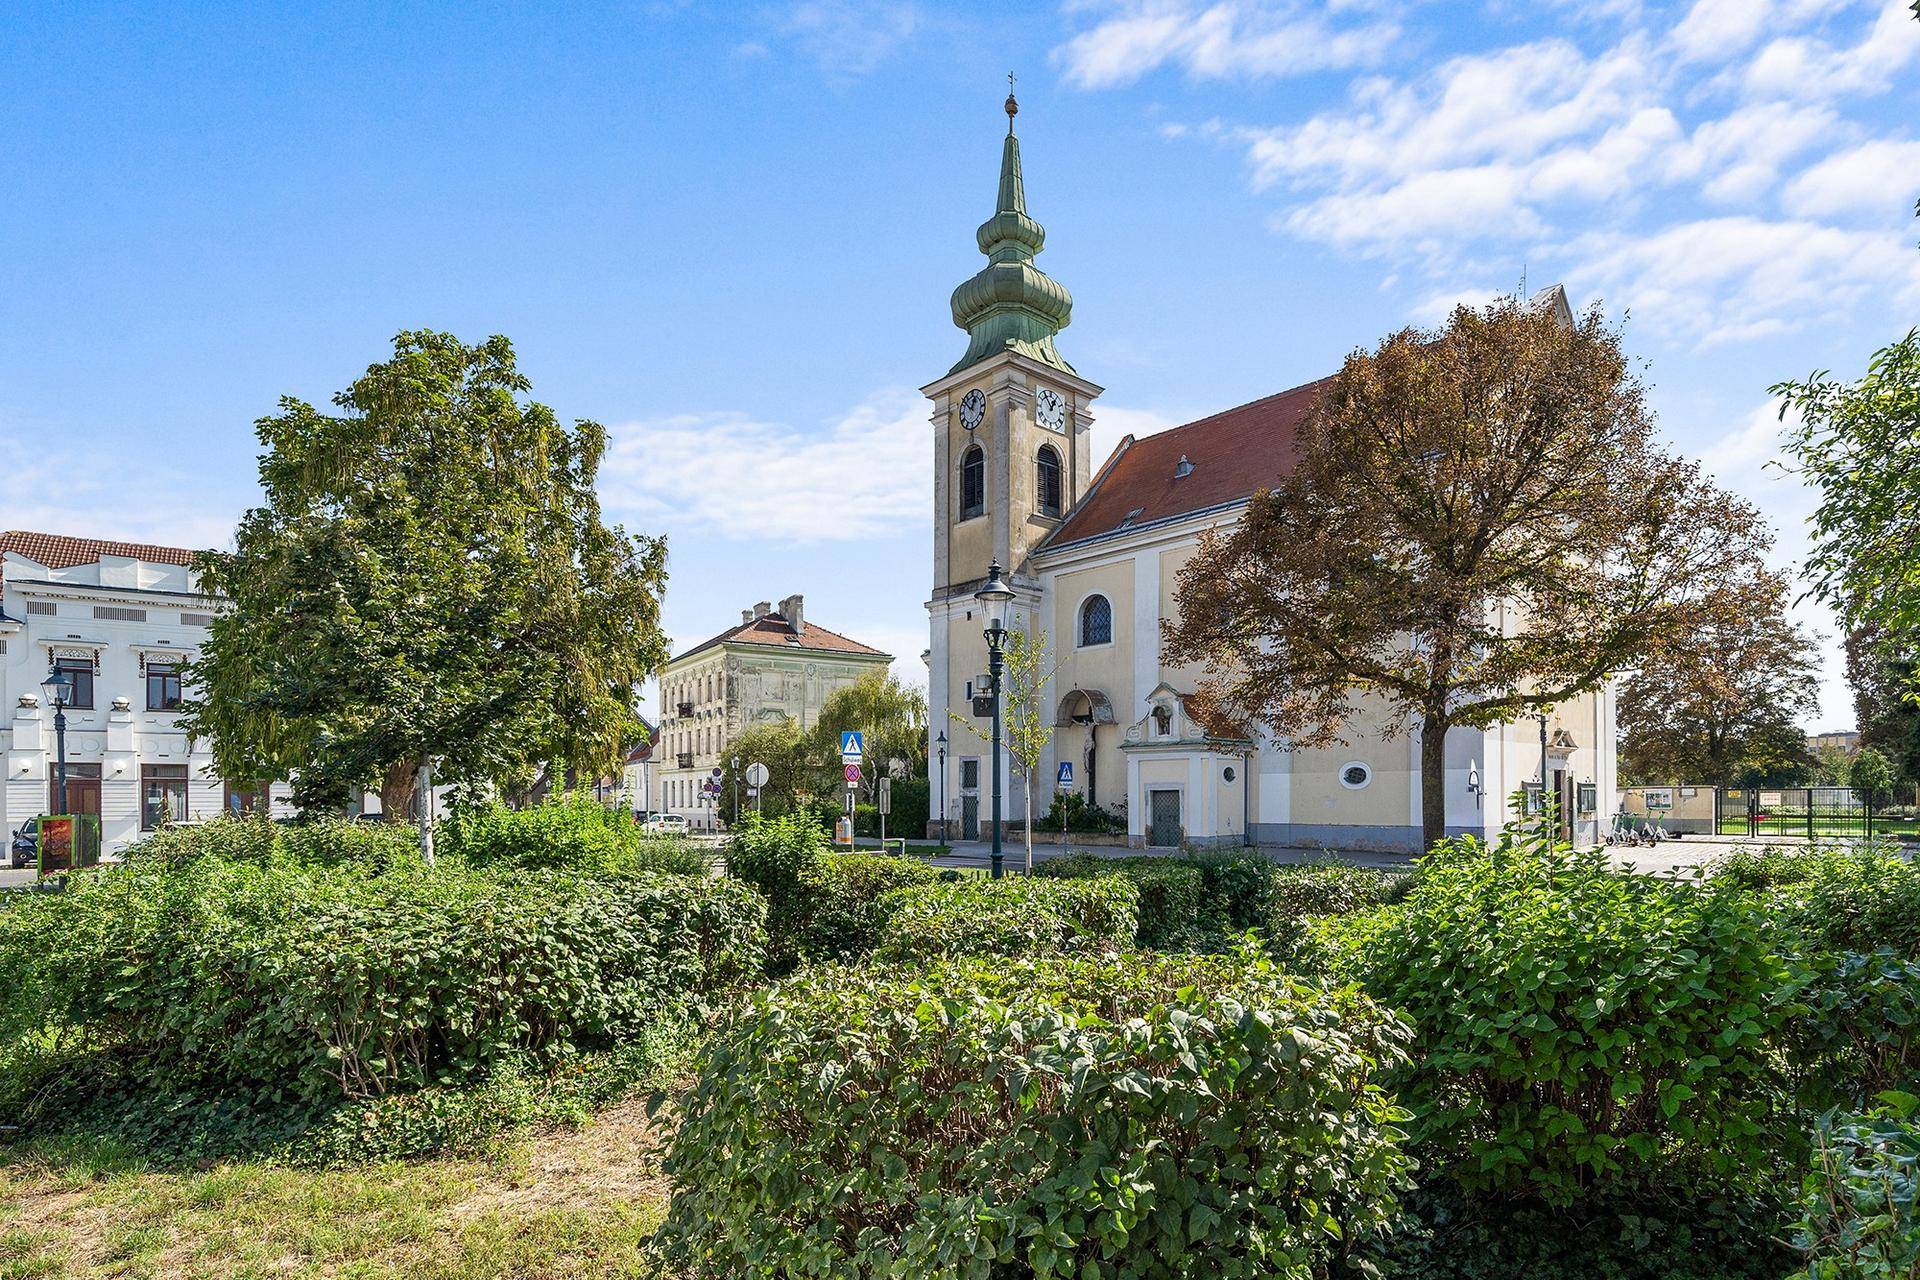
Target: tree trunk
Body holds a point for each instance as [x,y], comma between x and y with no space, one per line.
[1433,780]
[396,790]
[1030,821]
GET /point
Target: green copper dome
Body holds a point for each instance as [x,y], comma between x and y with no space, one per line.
[1011,304]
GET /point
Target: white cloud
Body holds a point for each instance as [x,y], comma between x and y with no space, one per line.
[1808,66]
[1878,177]
[1224,40]
[87,495]
[847,37]
[1715,29]
[728,475]
[1725,279]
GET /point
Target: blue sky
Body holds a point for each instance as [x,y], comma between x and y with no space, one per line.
[728,232]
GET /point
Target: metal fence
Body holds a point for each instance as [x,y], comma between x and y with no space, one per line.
[1806,812]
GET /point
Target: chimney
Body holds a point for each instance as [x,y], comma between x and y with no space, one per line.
[792,610]
[746,616]
[762,609]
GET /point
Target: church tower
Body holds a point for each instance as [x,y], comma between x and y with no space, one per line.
[1011,427]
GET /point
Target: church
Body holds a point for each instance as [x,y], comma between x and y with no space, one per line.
[1093,549]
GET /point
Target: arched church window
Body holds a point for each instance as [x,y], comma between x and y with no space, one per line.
[1096,621]
[1049,469]
[973,482]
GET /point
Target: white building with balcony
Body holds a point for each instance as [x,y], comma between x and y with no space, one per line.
[119,619]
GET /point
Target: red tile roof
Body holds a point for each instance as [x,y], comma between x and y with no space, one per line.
[771,629]
[57,551]
[1234,454]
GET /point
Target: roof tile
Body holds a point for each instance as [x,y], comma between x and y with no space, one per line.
[771,629]
[1233,455]
[57,551]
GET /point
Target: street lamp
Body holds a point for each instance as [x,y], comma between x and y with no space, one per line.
[941,743]
[59,687]
[1542,718]
[993,599]
[736,790]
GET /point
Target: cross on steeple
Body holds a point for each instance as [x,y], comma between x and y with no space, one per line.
[1013,105]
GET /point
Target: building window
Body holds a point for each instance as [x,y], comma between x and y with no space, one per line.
[1354,775]
[1049,469]
[80,671]
[1096,622]
[163,686]
[973,482]
[163,794]
[238,802]
[970,773]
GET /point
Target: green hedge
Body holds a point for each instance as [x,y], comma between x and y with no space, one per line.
[771,853]
[1577,1029]
[1856,1031]
[1236,888]
[1322,889]
[1124,1116]
[847,900]
[576,832]
[1836,896]
[1016,916]
[1170,894]
[257,838]
[314,982]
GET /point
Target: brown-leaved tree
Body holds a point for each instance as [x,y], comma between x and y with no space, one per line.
[1478,525]
[1719,703]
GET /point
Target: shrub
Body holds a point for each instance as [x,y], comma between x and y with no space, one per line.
[1169,894]
[846,900]
[1858,1032]
[1072,808]
[1861,1199]
[1177,1116]
[1836,896]
[572,831]
[1576,1030]
[1236,887]
[1322,889]
[771,853]
[303,982]
[258,839]
[1011,917]
[909,816]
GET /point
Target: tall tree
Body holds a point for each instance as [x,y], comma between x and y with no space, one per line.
[1871,776]
[1478,525]
[1719,703]
[892,719]
[427,579]
[1858,445]
[1885,710]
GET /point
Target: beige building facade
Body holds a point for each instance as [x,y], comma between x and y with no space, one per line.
[1093,550]
[776,665]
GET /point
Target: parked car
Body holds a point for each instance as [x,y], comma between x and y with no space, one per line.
[25,851]
[666,824]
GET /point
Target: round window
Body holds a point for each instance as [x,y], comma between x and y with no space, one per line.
[1355,775]
[1227,773]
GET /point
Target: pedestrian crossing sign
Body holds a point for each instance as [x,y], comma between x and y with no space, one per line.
[1066,774]
[852,745]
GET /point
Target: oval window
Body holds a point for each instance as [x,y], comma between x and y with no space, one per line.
[1355,775]
[1227,773]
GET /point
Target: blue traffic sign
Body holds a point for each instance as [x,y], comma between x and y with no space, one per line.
[1066,774]
[852,745]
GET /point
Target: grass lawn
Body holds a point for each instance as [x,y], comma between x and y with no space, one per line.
[571,1203]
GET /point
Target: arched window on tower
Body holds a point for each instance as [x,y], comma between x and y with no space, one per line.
[973,482]
[1048,465]
[1096,621]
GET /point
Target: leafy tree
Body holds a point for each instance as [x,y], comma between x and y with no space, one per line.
[892,718]
[1478,525]
[1858,445]
[793,770]
[1887,714]
[1719,703]
[1871,776]
[1026,719]
[427,579]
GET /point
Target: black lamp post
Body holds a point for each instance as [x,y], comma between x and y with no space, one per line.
[59,687]
[993,600]
[1542,718]
[941,794]
[736,790]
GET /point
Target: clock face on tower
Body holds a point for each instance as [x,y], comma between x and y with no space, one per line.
[1050,409]
[973,408]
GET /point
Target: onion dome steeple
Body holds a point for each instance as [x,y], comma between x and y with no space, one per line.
[1011,304]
